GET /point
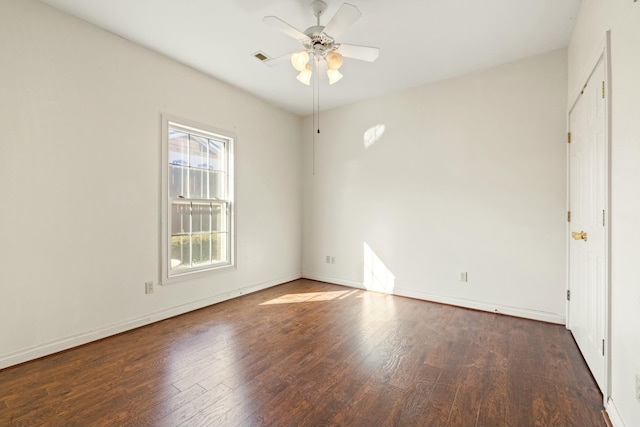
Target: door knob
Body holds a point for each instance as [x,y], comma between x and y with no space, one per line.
[579,235]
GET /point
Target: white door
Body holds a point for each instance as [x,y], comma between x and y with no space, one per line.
[588,223]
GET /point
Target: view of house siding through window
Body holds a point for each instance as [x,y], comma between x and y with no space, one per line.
[198,181]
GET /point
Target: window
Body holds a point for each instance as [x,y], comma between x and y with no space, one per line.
[197,193]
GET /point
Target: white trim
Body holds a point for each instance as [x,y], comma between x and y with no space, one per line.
[485,306]
[601,50]
[614,414]
[567,303]
[333,280]
[459,302]
[94,335]
[205,130]
[602,53]
[607,330]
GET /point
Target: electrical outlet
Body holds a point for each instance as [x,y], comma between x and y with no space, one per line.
[463,276]
[148,287]
[638,387]
[333,260]
[327,259]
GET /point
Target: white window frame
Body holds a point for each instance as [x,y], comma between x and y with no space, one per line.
[168,274]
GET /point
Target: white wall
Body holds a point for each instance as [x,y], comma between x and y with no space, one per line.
[469,175]
[80,182]
[622,17]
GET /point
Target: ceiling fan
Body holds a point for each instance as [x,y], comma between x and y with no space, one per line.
[319,42]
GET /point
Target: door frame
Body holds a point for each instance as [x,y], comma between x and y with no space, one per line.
[602,53]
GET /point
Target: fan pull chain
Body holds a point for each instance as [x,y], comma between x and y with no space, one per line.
[313,126]
[315,113]
[318,86]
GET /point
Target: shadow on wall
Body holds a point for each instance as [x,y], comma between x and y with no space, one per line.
[377,277]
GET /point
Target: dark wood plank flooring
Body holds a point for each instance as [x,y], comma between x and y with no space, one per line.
[313,354]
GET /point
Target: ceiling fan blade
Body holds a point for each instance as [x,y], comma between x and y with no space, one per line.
[273,62]
[344,17]
[363,53]
[279,24]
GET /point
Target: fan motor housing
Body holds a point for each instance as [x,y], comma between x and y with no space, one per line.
[320,43]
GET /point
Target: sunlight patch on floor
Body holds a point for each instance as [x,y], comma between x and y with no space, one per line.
[308,297]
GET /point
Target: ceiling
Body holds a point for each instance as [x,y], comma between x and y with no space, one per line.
[420,41]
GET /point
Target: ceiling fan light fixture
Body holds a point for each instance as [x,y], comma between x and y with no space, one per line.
[319,43]
[305,75]
[334,60]
[300,60]
[334,76]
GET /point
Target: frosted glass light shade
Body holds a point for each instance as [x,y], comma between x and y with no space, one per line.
[334,60]
[305,76]
[299,60]
[334,76]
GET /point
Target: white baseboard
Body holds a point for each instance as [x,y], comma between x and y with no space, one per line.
[485,306]
[614,415]
[459,302]
[333,280]
[89,336]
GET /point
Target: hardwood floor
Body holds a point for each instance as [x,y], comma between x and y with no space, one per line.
[312,354]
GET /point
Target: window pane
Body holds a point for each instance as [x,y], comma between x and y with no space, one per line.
[180,252]
[180,215]
[197,184]
[198,152]
[178,148]
[219,247]
[219,217]
[201,218]
[217,185]
[201,249]
[216,155]
[178,181]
